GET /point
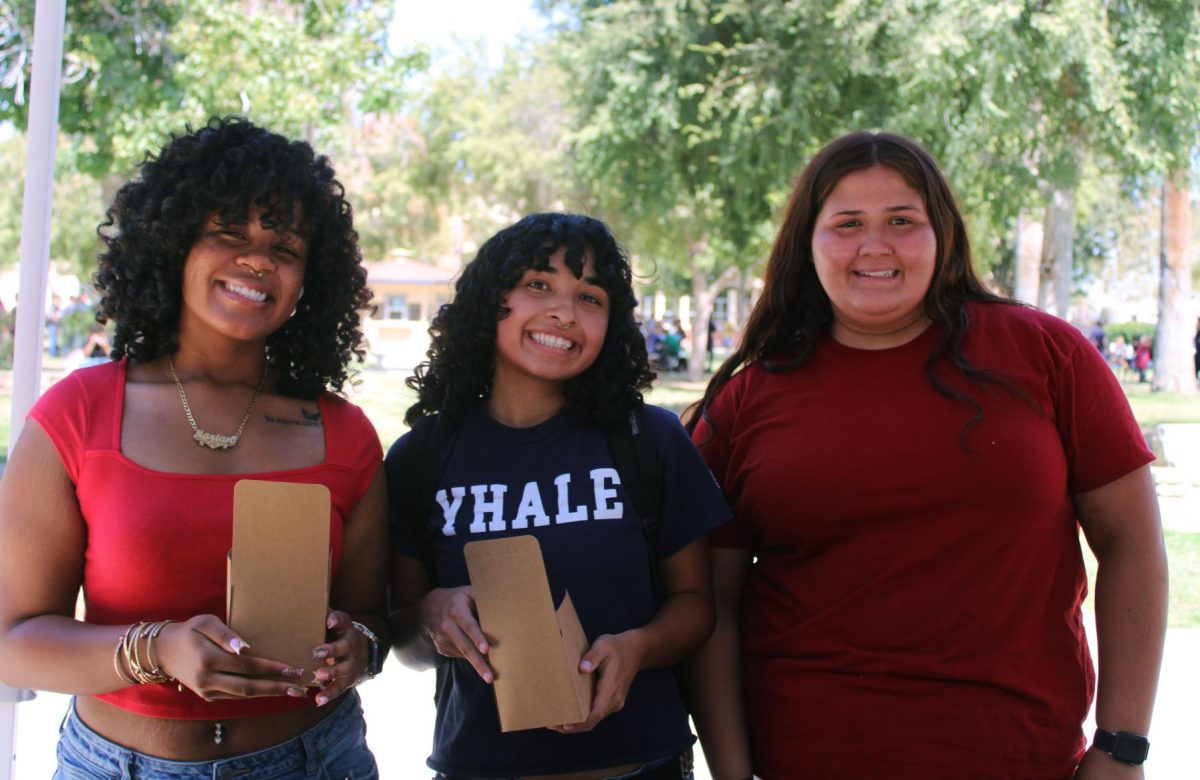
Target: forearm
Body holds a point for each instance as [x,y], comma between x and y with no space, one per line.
[1131,618]
[410,643]
[714,689]
[61,654]
[681,624]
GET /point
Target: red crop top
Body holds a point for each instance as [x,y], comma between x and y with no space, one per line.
[157,541]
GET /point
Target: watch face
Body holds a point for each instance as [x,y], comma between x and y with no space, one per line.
[1130,748]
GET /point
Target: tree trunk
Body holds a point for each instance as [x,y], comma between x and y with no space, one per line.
[704,292]
[1173,366]
[1058,262]
[1029,250]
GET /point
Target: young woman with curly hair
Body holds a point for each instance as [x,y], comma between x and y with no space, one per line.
[233,278]
[538,353]
[910,460]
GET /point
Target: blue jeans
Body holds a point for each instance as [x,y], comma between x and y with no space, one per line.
[334,749]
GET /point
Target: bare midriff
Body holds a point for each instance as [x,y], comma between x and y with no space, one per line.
[193,740]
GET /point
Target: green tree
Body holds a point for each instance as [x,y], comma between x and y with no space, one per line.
[73,243]
[1159,44]
[692,121]
[137,70]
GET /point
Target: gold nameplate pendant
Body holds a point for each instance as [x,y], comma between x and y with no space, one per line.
[214,441]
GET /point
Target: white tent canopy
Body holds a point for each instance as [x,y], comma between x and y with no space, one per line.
[42,133]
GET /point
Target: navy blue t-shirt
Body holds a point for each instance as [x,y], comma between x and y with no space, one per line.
[557,482]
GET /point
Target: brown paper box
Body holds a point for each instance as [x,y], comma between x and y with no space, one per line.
[278,593]
[535,650]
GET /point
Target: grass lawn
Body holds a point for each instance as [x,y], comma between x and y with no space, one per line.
[385,398]
[1154,408]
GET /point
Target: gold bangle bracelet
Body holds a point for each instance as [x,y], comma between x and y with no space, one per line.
[117,662]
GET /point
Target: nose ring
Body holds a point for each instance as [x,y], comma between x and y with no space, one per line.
[257,272]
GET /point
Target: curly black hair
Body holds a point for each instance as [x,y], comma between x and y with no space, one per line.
[462,354]
[228,167]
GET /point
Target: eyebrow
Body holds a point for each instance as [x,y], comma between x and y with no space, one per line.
[549,269]
[889,209]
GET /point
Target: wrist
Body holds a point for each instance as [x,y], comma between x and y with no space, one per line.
[637,646]
[374,650]
[1126,747]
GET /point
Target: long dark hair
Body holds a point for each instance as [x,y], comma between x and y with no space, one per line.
[794,312]
[462,352]
[229,166]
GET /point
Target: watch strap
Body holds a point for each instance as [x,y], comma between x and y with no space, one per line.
[374,651]
[1123,746]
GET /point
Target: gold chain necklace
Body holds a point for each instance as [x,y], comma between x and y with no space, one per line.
[202,437]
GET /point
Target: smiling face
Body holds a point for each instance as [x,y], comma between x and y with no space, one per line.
[241,281]
[554,328]
[875,251]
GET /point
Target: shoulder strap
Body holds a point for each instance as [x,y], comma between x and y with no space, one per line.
[636,459]
[415,479]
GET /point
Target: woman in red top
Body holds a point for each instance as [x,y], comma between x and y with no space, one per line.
[910,459]
[234,280]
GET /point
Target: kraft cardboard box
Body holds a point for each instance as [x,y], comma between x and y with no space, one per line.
[535,649]
[278,590]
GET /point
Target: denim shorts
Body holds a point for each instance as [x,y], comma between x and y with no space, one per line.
[334,749]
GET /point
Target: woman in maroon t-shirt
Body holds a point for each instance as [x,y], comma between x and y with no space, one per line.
[906,454]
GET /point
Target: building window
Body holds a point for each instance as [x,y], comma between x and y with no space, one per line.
[397,307]
[414,311]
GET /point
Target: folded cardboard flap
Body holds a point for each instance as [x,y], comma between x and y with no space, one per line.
[535,649]
[278,588]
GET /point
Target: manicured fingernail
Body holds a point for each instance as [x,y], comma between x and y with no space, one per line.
[297,693]
[330,661]
[330,622]
[237,645]
[321,675]
[586,666]
[483,648]
[322,700]
[292,672]
[320,652]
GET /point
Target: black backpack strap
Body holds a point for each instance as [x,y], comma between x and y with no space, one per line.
[412,474]
[636,458]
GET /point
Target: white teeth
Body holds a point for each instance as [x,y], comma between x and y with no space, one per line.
[245,292]
[547,340]
[878,274]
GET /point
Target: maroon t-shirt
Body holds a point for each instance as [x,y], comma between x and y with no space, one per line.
[914,607]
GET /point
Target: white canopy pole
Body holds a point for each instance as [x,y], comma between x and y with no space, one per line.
[42,132]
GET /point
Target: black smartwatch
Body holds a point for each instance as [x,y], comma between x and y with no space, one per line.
[374,651]
[1124,746]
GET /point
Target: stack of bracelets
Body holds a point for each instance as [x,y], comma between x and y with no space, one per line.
[134,671]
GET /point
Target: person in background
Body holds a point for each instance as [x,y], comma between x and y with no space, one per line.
[910,459]
[1098,337]
[233,277]
[1196,348]
[54,317]
[1143,357]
